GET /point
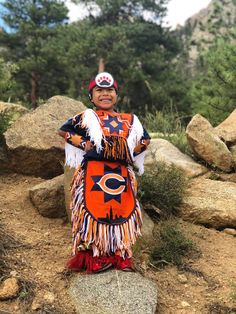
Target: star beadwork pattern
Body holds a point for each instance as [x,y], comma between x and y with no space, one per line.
[113,124]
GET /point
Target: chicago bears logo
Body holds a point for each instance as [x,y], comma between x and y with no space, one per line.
[109,196]
[111,190]
[112,183]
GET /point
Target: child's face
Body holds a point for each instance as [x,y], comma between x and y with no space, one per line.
[104,98]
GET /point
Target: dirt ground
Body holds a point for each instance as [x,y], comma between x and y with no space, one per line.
[208,284]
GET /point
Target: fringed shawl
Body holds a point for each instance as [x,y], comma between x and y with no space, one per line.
[111,147]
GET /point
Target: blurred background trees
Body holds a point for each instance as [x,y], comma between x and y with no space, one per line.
[42,55]
[213,91]
[28,44]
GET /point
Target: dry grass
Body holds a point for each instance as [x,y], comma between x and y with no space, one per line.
[172,246]
[8,246]
[7,243]
[217,308]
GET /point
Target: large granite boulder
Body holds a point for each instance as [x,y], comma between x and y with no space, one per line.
[233,152]
[163,151]
[114,292]
[211,203]
[48,197]
[3,159]
[34,147]
[227,129]
[206,144]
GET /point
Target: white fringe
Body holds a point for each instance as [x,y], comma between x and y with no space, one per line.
[139,162]
[135,134]
[134,137]
[91,122]
[73,155]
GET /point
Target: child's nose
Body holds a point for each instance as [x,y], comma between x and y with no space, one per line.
[105,91]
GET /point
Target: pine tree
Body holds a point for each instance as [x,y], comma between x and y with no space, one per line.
[140,53]
[33,26]
[6,82]
[214,89]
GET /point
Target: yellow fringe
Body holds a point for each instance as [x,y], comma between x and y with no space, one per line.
[116,147]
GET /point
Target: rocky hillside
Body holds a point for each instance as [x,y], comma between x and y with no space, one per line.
[201,29]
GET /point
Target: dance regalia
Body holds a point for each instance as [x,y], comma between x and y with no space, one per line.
[106,216]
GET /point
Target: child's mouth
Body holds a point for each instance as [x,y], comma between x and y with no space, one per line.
[105,100]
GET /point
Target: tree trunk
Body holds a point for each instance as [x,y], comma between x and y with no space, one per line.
[101,66]
[33,94]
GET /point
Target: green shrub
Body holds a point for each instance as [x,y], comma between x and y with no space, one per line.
[171,245]
[163,122]
[233,293]
[179,140]
[162,186]
[168,125]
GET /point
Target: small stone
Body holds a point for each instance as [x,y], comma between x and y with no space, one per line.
[13,273]
[182,278]
[35,305]
[49,297]
[230,231]
[16,307]
[9,289]
[185,304]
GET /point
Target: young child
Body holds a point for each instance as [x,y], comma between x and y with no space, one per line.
[103,145]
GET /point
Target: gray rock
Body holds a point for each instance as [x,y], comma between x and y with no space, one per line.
[48,197]
[227,129]
[233,152]
[211,203]
[163,151]
[206,144]
[114,292]
[230,231]
[147,226]
[34,147]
